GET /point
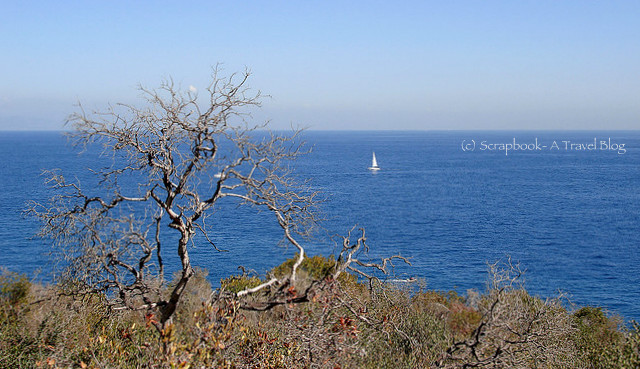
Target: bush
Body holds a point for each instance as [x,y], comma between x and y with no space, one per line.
[603,342]
[236,284]
[14,287]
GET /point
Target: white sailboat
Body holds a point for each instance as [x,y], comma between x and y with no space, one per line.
[374,163]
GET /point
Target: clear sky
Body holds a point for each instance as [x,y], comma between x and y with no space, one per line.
[335,64]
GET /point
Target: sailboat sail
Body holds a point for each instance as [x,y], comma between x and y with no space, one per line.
[374,163]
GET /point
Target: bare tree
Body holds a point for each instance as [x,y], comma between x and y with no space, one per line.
[517,330]
[174,158]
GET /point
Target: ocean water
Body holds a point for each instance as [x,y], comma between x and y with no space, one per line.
[566,206]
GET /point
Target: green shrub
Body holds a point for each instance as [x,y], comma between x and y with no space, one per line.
[603,342]
[236,284]
[630,351]
[14,287]
[598,338]
[316,267]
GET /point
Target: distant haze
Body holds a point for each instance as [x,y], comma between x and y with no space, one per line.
[335,65]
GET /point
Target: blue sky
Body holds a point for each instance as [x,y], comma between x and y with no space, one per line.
[333,64]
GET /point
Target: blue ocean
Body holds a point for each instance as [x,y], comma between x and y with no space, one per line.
[565,205]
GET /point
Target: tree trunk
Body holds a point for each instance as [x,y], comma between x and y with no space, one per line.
[187,273]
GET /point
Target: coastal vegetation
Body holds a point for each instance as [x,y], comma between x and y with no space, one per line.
[345,324]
